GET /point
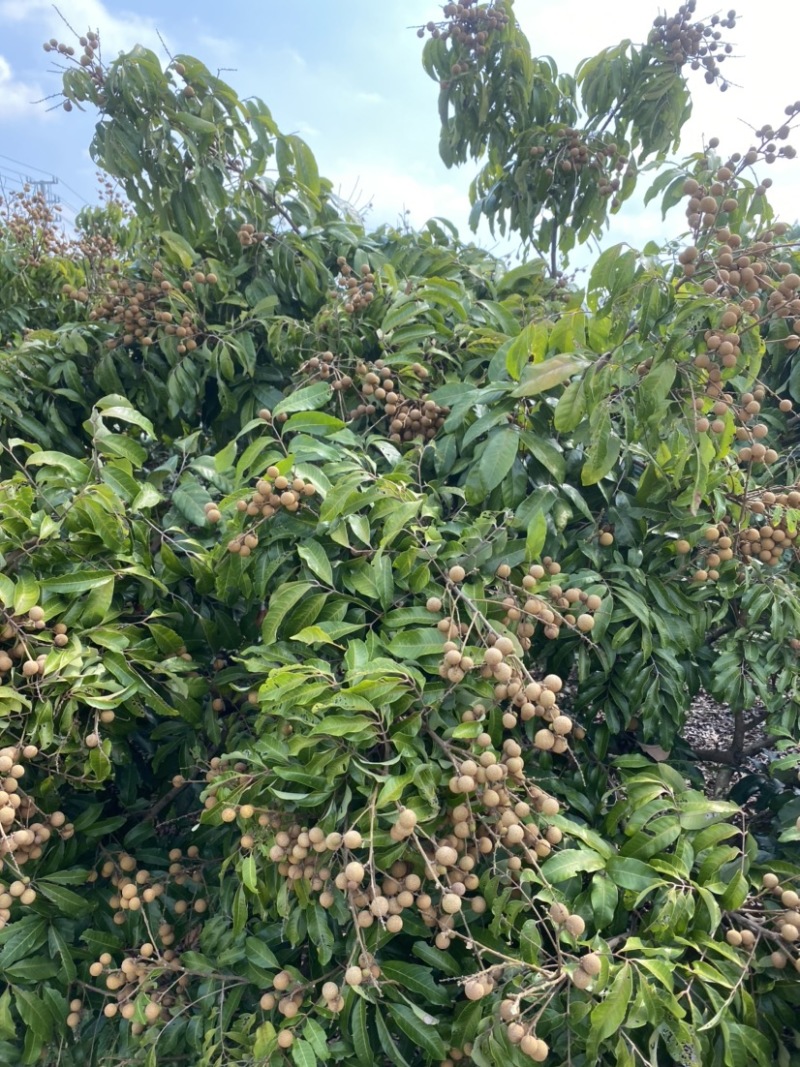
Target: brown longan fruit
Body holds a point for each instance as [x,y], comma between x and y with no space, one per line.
[575,925]
[285,1039]
[606,539]
[559,913]
[456,573]
[352,839]
[581,979]
[591,963]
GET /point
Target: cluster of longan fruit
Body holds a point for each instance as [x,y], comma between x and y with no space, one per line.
[526,606]
[409,418]
[143,310]
[136,888]
[779,923]
[355,290]
[35,227]
[468,25]
[17,630]
[157,976]
[289,992]
[248,235]
[22,835]
[380,394]
[749,432]
[489,783]
[551,608]
[767,531]
[697,43]
[89,58]
[568,153]
[274,492]
[312,854]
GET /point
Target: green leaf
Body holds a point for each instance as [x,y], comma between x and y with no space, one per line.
[249,874]
[67,902]
[539,377]
[59,949]
[607,1017]
[360,1034]
[569,862]
[77,582]
[7,1027]
[280,604]
[24,938]
[26,594]
[34,1013]
[546,452]
[313,554]
[571,408]
[411,644]
[177,245]
[422,1034]
[632,874]
[416,979]
[320,933]
[306,399]
[77,470]
[497,457]
[261,954]
[602,454]
[147,497]
[124,411]
[303,1054]
[388,1045]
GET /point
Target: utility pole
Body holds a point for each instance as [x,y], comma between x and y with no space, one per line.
[43,186]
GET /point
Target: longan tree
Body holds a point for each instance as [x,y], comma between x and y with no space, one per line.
[356,588]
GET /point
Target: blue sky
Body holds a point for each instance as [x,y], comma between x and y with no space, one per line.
[348,79]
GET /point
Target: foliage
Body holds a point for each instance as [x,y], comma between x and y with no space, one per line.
[356,588]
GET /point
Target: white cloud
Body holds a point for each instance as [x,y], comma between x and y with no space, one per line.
[370,98]
[118,32]
[18,98]
[391,193]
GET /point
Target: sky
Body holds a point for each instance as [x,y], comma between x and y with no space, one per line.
[348,79]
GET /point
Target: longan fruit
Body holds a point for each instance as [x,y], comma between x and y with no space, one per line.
[354,872]
[559,913]
[456,573]
[575,925]
[591,963]
[580,979]
[474,990]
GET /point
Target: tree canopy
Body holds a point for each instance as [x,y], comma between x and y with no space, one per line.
[356,587]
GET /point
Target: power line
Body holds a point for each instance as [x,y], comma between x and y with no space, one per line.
[28,166]
[39,170]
